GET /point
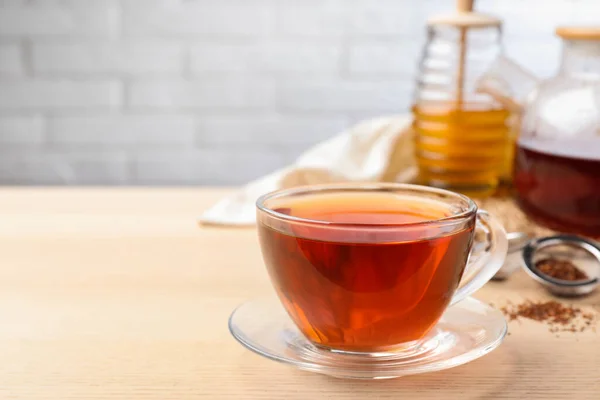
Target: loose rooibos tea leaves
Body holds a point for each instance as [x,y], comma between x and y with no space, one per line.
[560,317]
[560,269]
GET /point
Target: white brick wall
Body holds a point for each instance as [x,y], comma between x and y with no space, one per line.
[265,58]
[394,58]
[269,130]
[40,18]
[345,95]
[53,167]
[10,60]
[108,57]
[215,91]
[119,131]
[389,18]
[34,94]
[206,94]
[183,18]
[211,167]
[316,19]
[25,130]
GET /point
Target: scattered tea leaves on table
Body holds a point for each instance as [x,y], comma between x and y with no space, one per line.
[558,316]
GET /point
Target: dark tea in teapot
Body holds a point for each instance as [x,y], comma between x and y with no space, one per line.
[557,175]
[558,184]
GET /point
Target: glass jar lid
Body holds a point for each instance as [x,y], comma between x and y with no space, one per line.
[578,32]
[465,17]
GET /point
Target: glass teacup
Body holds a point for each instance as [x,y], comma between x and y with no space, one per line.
[371,268]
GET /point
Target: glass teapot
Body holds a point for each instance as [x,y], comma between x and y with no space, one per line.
[557,156]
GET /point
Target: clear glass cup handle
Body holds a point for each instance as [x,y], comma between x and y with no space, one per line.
[487,256]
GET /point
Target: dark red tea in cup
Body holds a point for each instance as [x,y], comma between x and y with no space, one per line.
[364,270]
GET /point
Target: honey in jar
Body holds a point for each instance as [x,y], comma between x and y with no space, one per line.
[465,148]
[462,136]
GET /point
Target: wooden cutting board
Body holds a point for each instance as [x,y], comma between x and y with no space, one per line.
[118,294]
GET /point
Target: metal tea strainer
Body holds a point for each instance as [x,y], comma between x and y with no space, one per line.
[583,253]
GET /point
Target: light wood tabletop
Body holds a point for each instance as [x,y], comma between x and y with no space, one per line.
[119,294]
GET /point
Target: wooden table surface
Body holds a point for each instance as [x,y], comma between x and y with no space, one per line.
[118,294]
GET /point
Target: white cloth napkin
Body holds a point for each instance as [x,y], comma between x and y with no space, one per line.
[374,150]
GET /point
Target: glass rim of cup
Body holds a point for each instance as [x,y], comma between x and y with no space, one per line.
[470,210]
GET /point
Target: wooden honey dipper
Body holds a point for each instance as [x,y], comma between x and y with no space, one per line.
[464,18]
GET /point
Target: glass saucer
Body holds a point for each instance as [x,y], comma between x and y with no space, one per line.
[466,331]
